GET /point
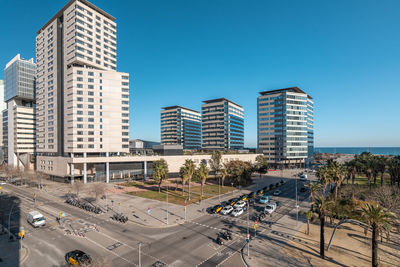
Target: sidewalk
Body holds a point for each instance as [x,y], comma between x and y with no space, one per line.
[11,252]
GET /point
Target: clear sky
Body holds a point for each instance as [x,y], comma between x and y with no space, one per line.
[345,54]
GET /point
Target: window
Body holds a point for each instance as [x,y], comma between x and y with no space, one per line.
[90,93]
[90,106]
[90,80]
[90,113]
[79,92]
[80,119]
[90,99]
[79,85]
[90,73]
[91,126]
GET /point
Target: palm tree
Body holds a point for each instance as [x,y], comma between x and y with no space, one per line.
[160,172]
[188,170]
[394,170]
[310,216]
[322,206]
[338,175]
[381,166]
[368,166]
[322,174]
[314,189]
[202,173]
[377,218]
[223,173]
[184,178]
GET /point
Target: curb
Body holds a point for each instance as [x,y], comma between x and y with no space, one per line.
[242,256]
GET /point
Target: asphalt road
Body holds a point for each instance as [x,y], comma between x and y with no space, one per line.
[107,241]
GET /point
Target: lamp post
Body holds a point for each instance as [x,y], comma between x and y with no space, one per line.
[297,207]
[219,189]
[140,262]
[167,204]
[248,231]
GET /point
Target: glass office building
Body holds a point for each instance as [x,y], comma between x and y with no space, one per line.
[20,79]
[222,125]
[285,128]
[181,126]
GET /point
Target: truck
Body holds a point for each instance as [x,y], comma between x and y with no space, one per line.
[36,219]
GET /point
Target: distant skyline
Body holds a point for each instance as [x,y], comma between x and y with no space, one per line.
[345,54]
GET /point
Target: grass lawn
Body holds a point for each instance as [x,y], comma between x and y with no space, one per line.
[363,180]
[176,196]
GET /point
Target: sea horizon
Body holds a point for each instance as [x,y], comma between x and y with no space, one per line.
[383,150]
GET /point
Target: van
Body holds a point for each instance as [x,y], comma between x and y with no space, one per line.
[36,219]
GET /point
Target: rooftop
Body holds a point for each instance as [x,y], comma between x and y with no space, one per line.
[85,2]
[289,89]
[219,100]
[174,107]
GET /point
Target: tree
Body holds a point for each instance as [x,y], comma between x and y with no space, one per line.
[261,164]
[310,216]
[216,163]
[202,173]
[377,218]
[322,174]
[367,166]
[240,171]
[98,189]
[184,177]
[322,206]
[381,166]
[187,171]
[338,175]
[77,186]
[160,172]
[314,188]
[223,173]
[394,170]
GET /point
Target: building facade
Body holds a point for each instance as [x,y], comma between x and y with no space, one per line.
[222,125]
[181,126]
[82,101]
[2,108]
[19,116]
[285,126]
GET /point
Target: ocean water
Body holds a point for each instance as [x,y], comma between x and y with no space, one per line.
[359,150]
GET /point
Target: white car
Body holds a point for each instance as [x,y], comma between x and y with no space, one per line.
[226,210]
[236,212]
[240,204]
[277,192]
[270,208]
[3,183]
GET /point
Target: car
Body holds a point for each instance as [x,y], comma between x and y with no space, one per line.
[265,189]
[217,208]
[240,204]
[3,183]
[260,192]
[233,201]
[224,203]
[78,258]
[264,199]
[236,212]
[226,210]
[303,176]
[251,195]
[270,208]
[243,197]
[303,189]
[277,192]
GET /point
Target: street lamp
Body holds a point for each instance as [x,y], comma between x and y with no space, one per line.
[140,262]
[297,206]
[167,204]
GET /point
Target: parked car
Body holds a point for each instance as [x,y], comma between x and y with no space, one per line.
[243,197]
[233,201]
[217,208]
[36,219]
[78,258]
[226,210]
[264,199]
[303,176]
[303,189]
[260,192]
[270,208]
[240,204]
[277,192]
[236,212]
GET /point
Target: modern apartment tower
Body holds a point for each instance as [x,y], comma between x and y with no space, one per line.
[2,108]
[222,125]
[82,101]
[285,129]
[19,115]
[181,126]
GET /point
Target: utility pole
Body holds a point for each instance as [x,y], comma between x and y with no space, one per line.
[248,231]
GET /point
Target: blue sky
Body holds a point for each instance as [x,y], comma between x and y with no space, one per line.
[345,54]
